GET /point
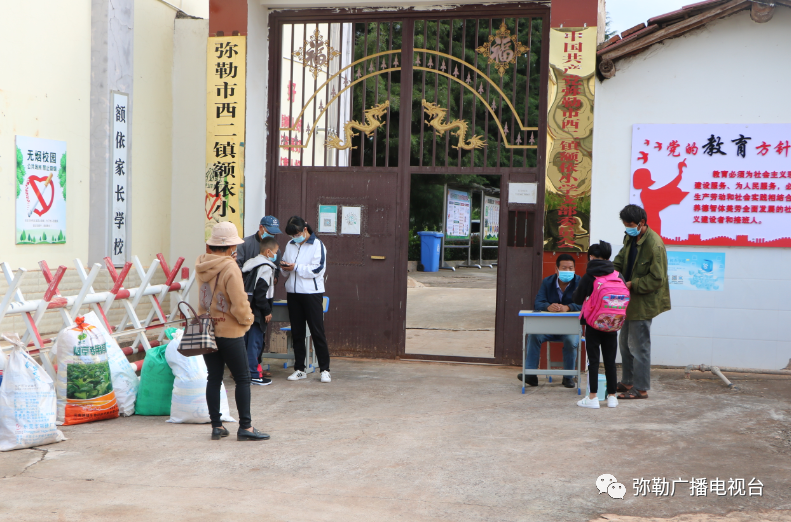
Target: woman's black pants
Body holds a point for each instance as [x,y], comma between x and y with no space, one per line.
[308,308]
[231,352]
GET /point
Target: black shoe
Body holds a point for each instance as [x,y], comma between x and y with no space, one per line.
[217,433]
[251,435]
[531,380]
[569,382]
[260,381]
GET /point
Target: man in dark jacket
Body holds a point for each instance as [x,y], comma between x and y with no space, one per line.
[555,295]
[252,244]
[643,263]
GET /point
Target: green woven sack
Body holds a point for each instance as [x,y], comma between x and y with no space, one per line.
[156,384]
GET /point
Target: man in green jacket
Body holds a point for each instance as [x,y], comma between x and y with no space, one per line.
[643,263]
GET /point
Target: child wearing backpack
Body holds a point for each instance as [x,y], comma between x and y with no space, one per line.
[259,276]
[604,297]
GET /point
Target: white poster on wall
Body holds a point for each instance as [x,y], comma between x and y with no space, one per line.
[351,220]
[522,192]
[714,184]
[119,176]
[40,191]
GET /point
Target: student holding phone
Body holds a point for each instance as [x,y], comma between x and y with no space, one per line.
[303,265]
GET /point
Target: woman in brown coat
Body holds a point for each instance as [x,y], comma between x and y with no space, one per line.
[222,292]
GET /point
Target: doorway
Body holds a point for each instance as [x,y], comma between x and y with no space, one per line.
[452,295]
[365,101]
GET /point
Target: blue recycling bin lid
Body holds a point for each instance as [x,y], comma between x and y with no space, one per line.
[430,233]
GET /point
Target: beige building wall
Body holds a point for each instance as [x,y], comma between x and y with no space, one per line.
[45,93]
[152,130]
[189,140]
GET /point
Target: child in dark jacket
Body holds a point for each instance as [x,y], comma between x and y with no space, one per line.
[259,275]
[599,264]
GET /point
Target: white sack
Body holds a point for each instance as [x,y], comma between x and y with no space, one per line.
[28,405]
[188,404]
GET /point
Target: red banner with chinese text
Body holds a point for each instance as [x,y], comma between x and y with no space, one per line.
[714,184]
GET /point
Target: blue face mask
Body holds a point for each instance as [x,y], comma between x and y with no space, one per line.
[633,231]
[299,239]
[266,234]
[272,258]
[565,276]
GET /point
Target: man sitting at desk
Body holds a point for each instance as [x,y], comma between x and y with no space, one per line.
[555,296]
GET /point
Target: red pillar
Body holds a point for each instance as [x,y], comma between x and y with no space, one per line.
[228,17]
[574,13]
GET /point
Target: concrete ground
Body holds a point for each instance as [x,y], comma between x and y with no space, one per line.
[452,313]
[415,441]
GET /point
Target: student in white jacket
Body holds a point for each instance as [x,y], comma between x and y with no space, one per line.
[303,265]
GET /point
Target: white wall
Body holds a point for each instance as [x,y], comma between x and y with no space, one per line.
[256,132]
[189,140]
[725,72]
[45,92]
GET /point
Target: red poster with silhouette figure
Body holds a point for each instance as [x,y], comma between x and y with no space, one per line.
[714,185]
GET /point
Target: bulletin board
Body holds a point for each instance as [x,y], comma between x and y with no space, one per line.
[457,218]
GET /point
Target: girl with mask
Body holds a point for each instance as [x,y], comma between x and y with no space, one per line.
[303,265]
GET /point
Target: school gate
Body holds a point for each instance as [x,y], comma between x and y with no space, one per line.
[363,100]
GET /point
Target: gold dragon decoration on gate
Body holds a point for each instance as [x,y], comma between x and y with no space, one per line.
[372,116]
[437,114]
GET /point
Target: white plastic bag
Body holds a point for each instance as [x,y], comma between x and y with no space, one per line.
[28,404]
[188,404]
[125,380]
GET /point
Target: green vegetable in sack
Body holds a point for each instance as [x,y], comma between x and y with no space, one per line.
[88,381]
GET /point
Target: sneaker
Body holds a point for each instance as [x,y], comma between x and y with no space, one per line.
[325,376]
[260,381]
[587,402]
[612,401]
[297,375]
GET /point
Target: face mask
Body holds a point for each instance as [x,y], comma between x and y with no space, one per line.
[565,276]
[273,258]
[266,234]
[299,239]
[633,231]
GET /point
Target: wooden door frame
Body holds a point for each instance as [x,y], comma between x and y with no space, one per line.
[404,170]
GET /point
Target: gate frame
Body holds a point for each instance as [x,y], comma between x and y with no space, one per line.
[404,170]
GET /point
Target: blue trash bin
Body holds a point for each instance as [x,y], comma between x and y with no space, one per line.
[430,246]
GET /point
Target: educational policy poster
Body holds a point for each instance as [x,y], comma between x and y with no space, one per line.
[40,191]
[458,215]
[714,184]
[696,271]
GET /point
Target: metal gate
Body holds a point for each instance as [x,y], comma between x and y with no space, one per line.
[364,100]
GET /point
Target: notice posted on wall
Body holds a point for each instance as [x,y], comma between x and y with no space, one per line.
[458,215]
[40,191]
[350,220]
[714,184]
[696,271]
[328,217]
[491,218]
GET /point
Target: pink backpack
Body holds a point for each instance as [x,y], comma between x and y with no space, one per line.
[605,309]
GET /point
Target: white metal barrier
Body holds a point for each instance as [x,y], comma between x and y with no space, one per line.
[32,311]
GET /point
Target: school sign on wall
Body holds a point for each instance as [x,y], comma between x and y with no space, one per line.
[40,191]
[718,184]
